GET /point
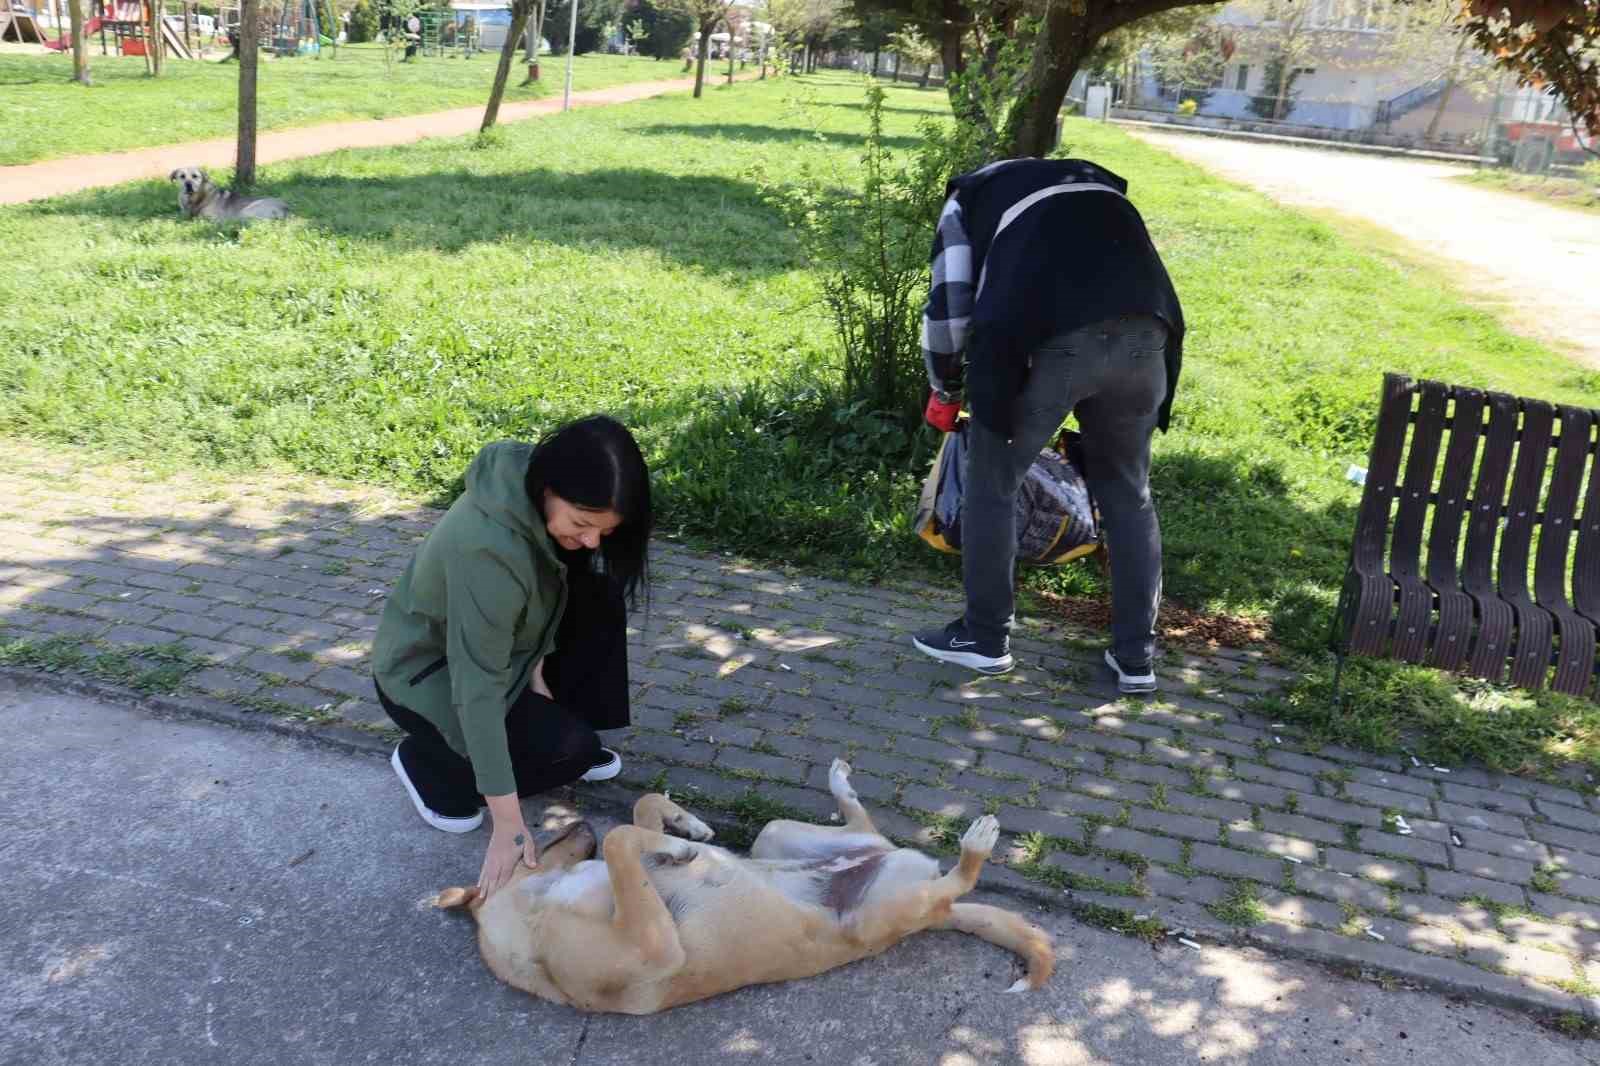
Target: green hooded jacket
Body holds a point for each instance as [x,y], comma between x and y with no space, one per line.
[479,605]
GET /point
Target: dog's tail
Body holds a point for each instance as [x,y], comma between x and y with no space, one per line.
[455,898]
[1001,927]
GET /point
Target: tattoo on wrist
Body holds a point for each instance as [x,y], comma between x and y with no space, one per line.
[517,840]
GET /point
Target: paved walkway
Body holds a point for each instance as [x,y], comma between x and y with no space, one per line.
[267,900]
[1536,263]
[255,601]
[56,177]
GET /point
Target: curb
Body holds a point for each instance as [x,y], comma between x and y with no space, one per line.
[1331,950]
[1311,142]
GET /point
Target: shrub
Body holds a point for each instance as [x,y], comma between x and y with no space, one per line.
[363,22]
[1188,107]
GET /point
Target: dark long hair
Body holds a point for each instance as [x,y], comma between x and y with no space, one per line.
[595,463]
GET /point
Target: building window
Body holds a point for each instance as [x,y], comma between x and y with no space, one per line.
[1241,80]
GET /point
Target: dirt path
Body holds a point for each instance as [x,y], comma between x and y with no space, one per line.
[36,181]
[1536,265]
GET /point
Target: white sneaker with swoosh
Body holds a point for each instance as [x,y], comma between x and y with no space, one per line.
[953,644]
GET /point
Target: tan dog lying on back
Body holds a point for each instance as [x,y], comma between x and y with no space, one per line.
[663,921]
[199,197]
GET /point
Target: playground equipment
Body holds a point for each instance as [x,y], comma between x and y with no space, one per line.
[20,23]
[299,29]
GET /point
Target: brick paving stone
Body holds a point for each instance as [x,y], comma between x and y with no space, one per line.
[1570,817]
[1488,799]
[1107,789]
[1570,911]
[1207,806]
[191,624]
[1405,802]
[1498,867]
[1243,836]
[1200,889]
[1095,866]
[268,663]
[1095,740]
[1300,764]
[1388,871]
[969,781]
[1524,786]
[1151,848]
[1162,775]
[1249,792]
[1571,884]
[941,801]
[1401,782]
[1331,885]
[123,611]
[1027,820]
[1573,861]
[1251,771]
[774,766]
[1231,863]
[816,751]
[1301,910]
[1179,825]
[1446,883]
[670,748]
[1435,910]
[215,679]
[1522,959]
[948,754]
[127,634]
[1300,826]
[893,766]
[1568,938]
[1377,842]
[1063,755]
[299,696]
[1333,810]
[1077,803]
[1460,815]
[1567,839]
[999,762]
[985,739]
[1496,844]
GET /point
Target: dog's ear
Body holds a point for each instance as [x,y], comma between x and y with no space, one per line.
[451,898]
[174,175]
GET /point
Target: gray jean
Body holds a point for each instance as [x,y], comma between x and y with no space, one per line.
[1112,376]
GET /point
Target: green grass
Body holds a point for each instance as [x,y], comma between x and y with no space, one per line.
[427,299]
[1241,905]
[47,116]
[1580,193]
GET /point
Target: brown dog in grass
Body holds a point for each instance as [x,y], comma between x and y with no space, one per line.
[662,921]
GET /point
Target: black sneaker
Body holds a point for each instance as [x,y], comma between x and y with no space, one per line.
[952,644]
[1132,680]
[445,822]
[608,764]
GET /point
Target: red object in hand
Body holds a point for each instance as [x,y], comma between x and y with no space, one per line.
[941,415]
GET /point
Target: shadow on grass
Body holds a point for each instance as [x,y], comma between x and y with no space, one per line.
[745,131]
[714,223]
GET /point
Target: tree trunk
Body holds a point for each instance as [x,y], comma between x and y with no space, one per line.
[730,55]
[700,60]
[80,47]
[154,44]
[1444,102]
[1065,40]
[244,165]
[895,73]
[927,72]
[508,52]
[1283,92]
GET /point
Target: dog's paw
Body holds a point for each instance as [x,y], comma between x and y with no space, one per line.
[677,853]
[685,824]
[982,835]
[839,779]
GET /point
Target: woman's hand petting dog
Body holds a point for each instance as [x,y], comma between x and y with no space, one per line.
[509,842]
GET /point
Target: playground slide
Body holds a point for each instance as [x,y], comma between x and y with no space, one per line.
[62,43]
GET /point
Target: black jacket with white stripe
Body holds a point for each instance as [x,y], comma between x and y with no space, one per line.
[1029,249]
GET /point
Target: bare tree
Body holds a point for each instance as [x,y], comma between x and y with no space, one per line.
[80,47]
[520,12]
[244,165]
[707,15]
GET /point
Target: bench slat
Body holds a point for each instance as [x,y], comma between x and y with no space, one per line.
[1416,597]
[1368,588]
[1495,617]
[1575,667]
[1535,633]
[1453,633]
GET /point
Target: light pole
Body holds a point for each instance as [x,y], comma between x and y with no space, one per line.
[572,45]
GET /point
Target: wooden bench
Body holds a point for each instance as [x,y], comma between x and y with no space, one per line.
[1511,517]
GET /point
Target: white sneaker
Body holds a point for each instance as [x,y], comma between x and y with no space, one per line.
[1131,683]
[433,818]
[605,771]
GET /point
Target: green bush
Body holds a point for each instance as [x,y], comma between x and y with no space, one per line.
[363,22]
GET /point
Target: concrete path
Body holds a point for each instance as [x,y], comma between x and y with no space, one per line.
[254,601]
[1537,264]
[183,892]
[56,177]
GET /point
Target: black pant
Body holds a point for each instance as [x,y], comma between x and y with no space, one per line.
[552,742]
